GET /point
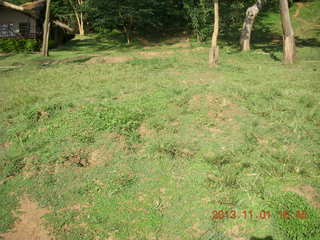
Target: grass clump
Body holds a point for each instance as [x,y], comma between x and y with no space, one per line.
[302,221]
[123,119]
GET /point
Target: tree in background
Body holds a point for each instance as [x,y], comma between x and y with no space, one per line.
[133,17]
[79,10]
[289,46]
[124,15]
[199,14]
[46,31]
[251,14]
[214,50]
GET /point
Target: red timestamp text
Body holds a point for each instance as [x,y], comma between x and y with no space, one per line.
[263,214]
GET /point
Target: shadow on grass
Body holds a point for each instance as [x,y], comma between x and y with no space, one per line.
[98,43]
[266,238]
[116,41]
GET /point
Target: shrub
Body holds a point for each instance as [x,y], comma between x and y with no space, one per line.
[19,45]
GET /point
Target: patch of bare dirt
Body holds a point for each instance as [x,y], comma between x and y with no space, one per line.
[29,226]
[79,158]
[87,157]
[66,60]
[300,5]
[227,110]
[120,139]
[150,54]
[192,49]
[235,232]
[108,60]
[196,230]
[180,45]
[145,42]
[5,145]
[297,14]
[177,40]
[28,169]
[4,54]
[307,192]
[222,109]
[144,131]
[100,156]
[195,100]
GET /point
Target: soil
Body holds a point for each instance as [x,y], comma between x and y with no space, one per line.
[30,223]
[300,5]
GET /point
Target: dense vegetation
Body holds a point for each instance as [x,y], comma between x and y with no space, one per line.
[18,45]
[147,17]
[144,140]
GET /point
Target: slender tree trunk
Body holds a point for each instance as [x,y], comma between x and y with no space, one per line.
[214,50]
[79,16]
[289,45]
[46,31]
[251,14]
[81,25]
[128,33]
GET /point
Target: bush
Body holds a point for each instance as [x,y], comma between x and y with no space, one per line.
[19,45]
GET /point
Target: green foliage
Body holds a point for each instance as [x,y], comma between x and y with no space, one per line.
[296,226]
[19,45]
[136,16]
[200,16]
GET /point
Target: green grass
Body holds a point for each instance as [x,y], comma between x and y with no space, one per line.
[151,147]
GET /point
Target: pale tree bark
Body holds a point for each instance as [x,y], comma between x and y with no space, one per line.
[251,15]
[12,6]
[214,50]
[46,31]
[289,45]
[64,26]
[78,14]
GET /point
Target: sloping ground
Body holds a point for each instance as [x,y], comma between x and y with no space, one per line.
[158,145]
[305,20]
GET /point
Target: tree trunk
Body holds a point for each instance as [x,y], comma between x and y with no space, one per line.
[214,50]
[81,25]
[289,46]
[251,14]
[79,16]
[127,33]
[46,31]
[64,26]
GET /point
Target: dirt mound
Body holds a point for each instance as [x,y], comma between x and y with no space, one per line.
[30,223]
[149,54]
[108,60]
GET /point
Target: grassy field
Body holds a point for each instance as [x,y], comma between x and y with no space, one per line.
[115,141]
